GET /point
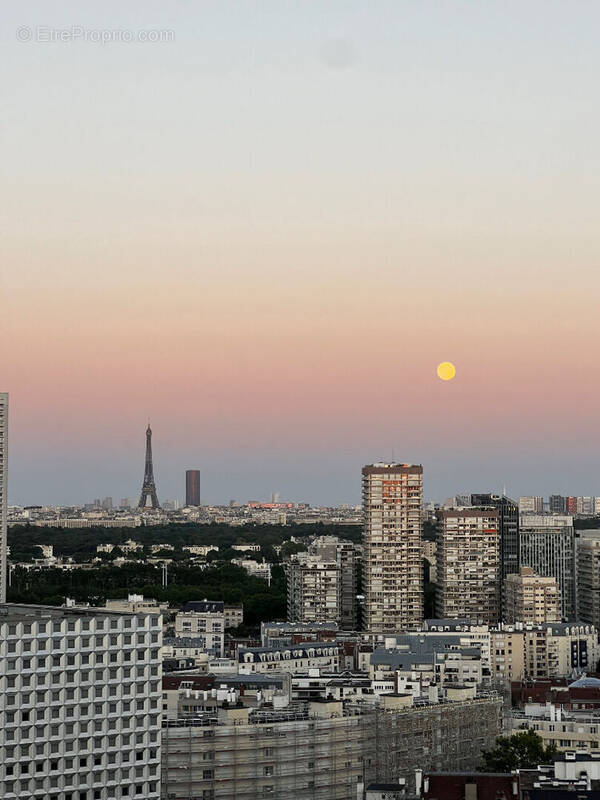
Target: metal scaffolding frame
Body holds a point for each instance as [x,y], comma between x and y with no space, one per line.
[289,754]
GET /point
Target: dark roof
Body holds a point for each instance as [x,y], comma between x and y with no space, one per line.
[585,683]
[199,681]
[205,606]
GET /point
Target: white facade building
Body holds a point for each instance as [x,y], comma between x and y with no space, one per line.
[80,700]
[204,621]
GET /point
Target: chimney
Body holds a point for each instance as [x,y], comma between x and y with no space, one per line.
[419,782]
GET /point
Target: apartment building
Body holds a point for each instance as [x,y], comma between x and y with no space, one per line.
[508,520]
[284,634]
[392,570]
[204,621]
[429,552]
[566,730]
[531,504]
[560,649]
[295,659]
[507,654]
[432,664]
[468,564]
[314,588]
[513,652]
[80,701]
[530,598]
[234,614]
[321,751]
[348,556]
[587,570]
[547,546]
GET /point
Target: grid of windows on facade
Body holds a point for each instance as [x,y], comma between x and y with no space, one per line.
[392,571]
[80,704]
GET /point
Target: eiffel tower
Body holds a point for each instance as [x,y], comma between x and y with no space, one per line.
[148,486]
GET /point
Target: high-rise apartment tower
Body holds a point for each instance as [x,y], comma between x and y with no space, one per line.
[547,545]
[314,589]
[348,555]
[587,570]
[508,518]
[393,572]
[468,564]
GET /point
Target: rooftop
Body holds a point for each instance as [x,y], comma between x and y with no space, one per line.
[205,606]
[585,682]
[20,612]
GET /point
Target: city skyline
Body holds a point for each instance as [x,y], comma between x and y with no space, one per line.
[336,265]
[177,486]
[278,302]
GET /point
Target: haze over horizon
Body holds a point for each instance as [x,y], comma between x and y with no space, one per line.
[265,234]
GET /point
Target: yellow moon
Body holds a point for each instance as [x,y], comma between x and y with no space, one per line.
[446,371]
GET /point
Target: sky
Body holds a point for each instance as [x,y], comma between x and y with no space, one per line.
[265,231]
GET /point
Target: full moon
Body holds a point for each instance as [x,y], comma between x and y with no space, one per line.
[446,371]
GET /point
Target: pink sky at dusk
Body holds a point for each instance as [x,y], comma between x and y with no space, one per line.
[268,256]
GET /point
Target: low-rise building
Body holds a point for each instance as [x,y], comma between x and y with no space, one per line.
[157,548]
[200,549]
[234,615]
[572,730]
[471,785]
[192,648]
[284,634]
[295,659]
[573,773]
[542,651]
[186,694]
[458,666]
[137,604]
[205,621]
[255,568]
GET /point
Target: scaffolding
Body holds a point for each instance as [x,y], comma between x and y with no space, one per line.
[291,754]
